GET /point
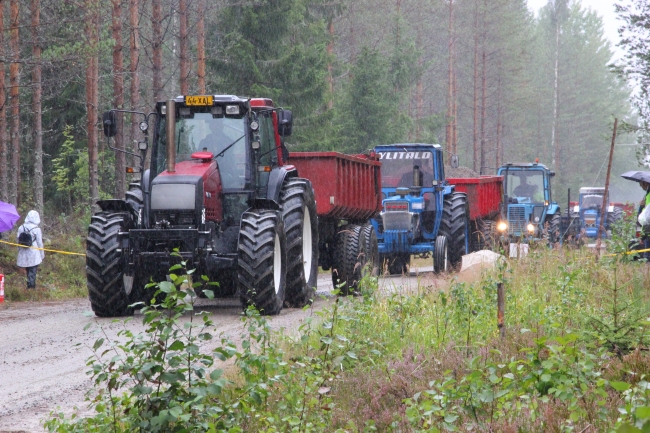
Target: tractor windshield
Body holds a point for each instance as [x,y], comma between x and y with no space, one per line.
[397,168]
[591,201]
[203,132]
[526,186]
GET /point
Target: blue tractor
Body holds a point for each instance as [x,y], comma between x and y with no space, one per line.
[588,212]
[422,214]
[530,212]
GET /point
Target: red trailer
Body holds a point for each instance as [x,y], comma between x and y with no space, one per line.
[347,189]
[484,197]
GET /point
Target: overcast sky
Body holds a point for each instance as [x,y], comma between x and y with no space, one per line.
[604,8]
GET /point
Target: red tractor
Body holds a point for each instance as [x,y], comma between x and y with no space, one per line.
[219,192]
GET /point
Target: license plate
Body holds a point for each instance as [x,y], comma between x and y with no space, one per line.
[198,100]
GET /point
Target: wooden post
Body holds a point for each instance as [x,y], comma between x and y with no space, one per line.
[501,310]
[603,208]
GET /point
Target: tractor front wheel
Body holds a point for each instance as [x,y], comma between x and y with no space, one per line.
[301,225]
[262,261]
[441,255]
[455,226]
[104,267]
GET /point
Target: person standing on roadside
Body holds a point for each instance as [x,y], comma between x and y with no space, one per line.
[645,237]
[30,257]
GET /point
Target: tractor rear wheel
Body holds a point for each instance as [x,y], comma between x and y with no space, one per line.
[262,261]
[612,219]
[455,226]
[301,225]
[104,267]
[552,228]
[441,255]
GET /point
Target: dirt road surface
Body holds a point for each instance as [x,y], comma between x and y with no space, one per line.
[43,347]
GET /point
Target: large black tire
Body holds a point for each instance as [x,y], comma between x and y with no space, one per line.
[396,264]
[133,196]
[441,255]
[612,219]
[552,228]
[262,261]
[370,257]
[301,226]
[455,226]
[104,266]
[347,269]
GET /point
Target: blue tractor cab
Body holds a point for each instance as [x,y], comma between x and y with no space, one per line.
[531,213]
[422,214]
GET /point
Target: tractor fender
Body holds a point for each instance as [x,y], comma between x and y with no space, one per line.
[553,209]
[276,180]
[114,205]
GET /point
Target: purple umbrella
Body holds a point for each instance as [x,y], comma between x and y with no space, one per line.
[8,216]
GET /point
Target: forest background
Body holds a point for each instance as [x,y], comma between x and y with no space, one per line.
[489,80]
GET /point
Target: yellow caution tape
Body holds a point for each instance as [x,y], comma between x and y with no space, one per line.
[43,249]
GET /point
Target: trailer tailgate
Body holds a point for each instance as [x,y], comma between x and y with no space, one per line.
[346,186]
[483,194]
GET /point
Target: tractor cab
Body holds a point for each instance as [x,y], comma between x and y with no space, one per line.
[527,195]
[588,212]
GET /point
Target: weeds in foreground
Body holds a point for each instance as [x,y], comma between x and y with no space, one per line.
[429,362]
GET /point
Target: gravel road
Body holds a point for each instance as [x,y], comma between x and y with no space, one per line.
[43,347]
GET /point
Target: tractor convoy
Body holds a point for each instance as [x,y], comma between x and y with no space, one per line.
[223,194]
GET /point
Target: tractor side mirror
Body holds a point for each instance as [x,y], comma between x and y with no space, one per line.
[551,173]
[454,161]
[109,121]
[285,120]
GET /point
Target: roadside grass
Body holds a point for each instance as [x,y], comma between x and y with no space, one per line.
[60,276]
[574,358]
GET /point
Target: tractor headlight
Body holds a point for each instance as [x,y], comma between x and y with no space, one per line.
[536,219]
[502,226]
[530,227]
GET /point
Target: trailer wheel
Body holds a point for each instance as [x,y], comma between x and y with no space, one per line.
[262,261]
[347,269]
[441,255]
[396,264]
[370,251]
[455,226]
[301,225]
[104,267]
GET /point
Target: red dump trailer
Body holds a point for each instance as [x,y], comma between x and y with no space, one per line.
[485,198]
[347,189]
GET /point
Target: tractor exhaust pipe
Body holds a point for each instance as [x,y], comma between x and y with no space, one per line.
[171,136]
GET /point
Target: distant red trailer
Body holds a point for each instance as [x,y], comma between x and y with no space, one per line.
[347,187]
[484,195]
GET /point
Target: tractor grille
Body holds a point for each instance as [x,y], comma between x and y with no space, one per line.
[179,218]
[396,220]
[516,220]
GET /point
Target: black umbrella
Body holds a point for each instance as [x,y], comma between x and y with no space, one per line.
[637,176]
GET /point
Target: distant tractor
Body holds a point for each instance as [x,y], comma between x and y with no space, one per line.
[588,212]
[220,195]
[530,212]
[426,214]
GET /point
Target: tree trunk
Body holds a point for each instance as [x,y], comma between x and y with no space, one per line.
[156,26]
[450,84]
[37,106]
[184,47]
[118,95]
[200,47]
[330,54]
[554,140]
[91,98]
[475,147]
[14,101]
[499,150]
[483,107]
[134,23]
[3,111]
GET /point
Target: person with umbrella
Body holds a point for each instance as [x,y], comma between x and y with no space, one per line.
[643,177]
[29,257]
